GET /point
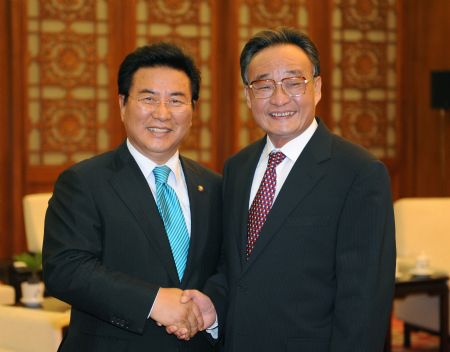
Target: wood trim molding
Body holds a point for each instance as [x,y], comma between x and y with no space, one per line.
[5,132]
[17,88]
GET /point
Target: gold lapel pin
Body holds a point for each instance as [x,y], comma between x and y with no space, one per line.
[200,188]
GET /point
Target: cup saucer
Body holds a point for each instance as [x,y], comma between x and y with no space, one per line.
[33,302]
[421,272]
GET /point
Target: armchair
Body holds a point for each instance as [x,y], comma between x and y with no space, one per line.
[7,294]
[34,208]
[25,329]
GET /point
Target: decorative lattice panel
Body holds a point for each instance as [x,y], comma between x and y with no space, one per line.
[254,16]
[67,80]
[187,23]
[364,73]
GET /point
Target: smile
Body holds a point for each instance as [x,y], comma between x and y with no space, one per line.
[282,114]
[158,130]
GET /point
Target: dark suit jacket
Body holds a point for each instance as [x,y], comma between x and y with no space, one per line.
[106,252]
[321,275]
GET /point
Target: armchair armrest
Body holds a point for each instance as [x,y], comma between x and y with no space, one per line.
[25,329]
[7,294]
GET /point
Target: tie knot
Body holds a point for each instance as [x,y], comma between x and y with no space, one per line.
[275,158]
[161,173]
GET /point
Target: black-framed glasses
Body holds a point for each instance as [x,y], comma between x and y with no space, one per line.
[151,102]
[292,86]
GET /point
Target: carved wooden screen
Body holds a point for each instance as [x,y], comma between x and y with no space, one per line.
[67,81]
[72,58]
[68,77]
[364,74]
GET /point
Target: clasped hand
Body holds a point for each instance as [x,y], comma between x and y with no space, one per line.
[183,313]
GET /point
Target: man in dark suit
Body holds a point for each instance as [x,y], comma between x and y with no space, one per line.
[128,230]
[309,245]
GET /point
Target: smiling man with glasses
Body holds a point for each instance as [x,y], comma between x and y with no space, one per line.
[309,248]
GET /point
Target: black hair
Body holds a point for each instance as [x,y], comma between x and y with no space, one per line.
[161,54]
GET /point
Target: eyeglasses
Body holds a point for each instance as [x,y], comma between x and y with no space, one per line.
[151,102]
[292,86]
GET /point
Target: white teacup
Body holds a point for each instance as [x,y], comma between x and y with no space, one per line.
[422,266]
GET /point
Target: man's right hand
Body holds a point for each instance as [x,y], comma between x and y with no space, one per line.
[169,311]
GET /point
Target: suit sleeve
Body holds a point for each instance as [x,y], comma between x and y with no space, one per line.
[216,287]
[365,263]
[72,260]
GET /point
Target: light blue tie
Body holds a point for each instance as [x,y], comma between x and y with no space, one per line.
[172,215]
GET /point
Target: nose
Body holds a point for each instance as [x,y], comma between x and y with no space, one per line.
[161,112]
[279,96]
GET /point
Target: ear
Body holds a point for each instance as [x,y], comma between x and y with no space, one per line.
[122,106]
[317,89]
[247,96]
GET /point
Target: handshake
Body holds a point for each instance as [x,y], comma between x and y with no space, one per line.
[183,313]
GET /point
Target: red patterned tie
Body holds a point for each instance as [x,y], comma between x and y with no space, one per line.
[263,200]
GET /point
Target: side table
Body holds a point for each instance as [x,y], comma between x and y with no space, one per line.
[4,269]
[434,285]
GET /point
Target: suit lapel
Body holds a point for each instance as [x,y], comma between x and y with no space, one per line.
[303,177]
[132,187]
[198,204]
[243,189]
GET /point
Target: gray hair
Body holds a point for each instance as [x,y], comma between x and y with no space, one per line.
[271,37]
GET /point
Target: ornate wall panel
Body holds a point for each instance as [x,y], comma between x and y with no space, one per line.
[67,81]
[189,24]
[254,16]
[364,79]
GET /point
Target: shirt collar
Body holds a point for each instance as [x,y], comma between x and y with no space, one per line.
[147,165]
[294,147]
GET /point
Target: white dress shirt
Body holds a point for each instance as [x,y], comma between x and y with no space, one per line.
[291,149]
[176,179]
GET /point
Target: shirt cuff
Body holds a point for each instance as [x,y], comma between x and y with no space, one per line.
[148,317]
[213,330]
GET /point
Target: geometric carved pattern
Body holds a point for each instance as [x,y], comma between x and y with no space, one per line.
[67,80]
[365,14]
[275,12]
[364,123]
[173,11]
[364,73]
[71,125]
[69,10]
[365,63]
[188,24]
[67,59]
[254,16]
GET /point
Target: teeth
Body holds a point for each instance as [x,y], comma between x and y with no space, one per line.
[282,114]
[156,129]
